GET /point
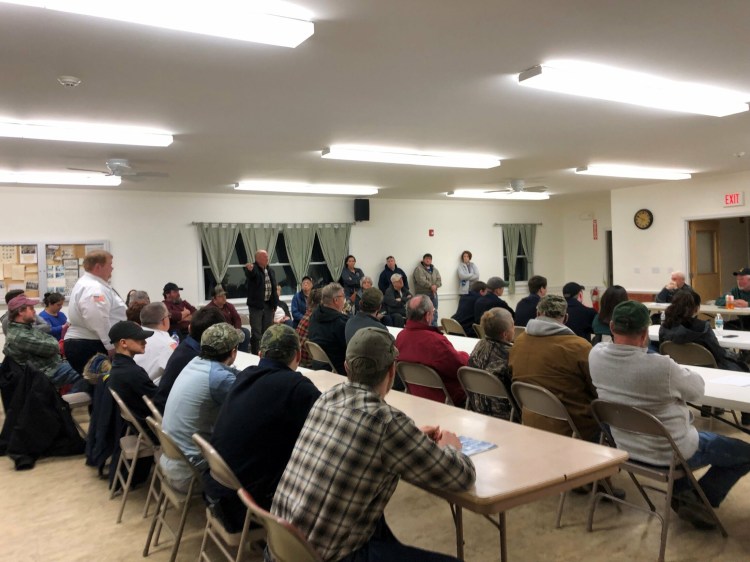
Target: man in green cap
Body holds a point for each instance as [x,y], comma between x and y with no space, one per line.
[623,372]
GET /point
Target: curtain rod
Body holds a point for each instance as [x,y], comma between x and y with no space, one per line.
[331,223]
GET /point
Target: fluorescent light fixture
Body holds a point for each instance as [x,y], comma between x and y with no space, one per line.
[306,188]
[614,84]
[507,195]
[619,171]
[83,132]
[60,178]
[271,23]
[405,156]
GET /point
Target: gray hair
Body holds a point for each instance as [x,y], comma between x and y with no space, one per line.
[418,308]
[395,277]
[495,322]
[152,314]
[329,293]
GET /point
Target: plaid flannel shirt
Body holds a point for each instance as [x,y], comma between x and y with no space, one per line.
[24,344]
[302,328]
[347,461]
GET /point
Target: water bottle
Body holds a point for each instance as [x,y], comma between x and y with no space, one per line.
[719,325]
[176,337]
[662,317]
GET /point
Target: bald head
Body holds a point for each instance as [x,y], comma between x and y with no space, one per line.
[420,309]
[261,258]
[678,278]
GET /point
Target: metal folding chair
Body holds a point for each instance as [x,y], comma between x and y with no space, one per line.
[484,383]
[415,374]
[451,326]
[317,354]
[478,330]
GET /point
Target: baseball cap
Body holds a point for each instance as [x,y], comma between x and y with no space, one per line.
[279,337]
[17,303]
[371,351]
[572,289]
[630,316]
[217,292]
[743,271]
[552,306]
[127,330]
[171,287]
[372,298]
[496,283]
[220,338]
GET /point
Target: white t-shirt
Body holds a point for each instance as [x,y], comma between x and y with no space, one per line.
[159,348]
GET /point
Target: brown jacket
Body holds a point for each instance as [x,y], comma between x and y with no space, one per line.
[548,354]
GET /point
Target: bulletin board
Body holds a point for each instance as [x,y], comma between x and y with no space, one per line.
[37,268]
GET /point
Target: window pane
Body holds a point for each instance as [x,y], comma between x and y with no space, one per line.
[317,252]
[320,274]
[285,278]
[233,282]
[280,256]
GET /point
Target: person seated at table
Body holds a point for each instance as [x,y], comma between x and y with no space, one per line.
[270,402]
[180,311]
[675,286]
[194,402]
[395,298]
[372,445]
[299,301]
[491,354]
[526,307]
[421,342]
[282,315]
[154,317]
[231,316]
[39,324]
[369,313]
[681,326]
[465,310]
[53,314]
[313,301]
[328,326]
[580,316]
[624,373]
[613,296]
[186,351]
[491,299]
[741,294]
[550,355]
[136,301]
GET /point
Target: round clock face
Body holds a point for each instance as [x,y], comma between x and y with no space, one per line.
[643,219]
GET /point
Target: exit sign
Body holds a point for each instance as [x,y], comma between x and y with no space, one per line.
[734,199]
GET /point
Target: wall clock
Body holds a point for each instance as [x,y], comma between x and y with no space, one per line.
[643,219]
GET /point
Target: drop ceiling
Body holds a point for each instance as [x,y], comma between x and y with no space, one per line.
[426,74]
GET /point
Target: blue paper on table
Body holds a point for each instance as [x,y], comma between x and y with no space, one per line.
[470,446]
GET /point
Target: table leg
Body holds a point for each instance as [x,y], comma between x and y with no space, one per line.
[459,520]
[501,528]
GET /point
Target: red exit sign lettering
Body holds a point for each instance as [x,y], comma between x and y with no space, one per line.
[734,199]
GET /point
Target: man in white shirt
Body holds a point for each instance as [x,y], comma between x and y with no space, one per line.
[155,316]
[94,308]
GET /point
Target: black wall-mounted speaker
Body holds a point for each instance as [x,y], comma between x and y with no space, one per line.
[361,210]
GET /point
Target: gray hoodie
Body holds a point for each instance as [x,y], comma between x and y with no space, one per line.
[544,326]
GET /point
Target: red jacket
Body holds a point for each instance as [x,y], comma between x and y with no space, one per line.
[230,313]
[420,343]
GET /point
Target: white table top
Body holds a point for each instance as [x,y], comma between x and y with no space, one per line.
[732,339]
[245,360]
[461,343]
[705,308]
[729,396]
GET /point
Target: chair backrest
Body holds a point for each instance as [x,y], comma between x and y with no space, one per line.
[155,413]
[479,381]
[284,540]
[688,354]
[128,416]
[541,401]
[220,471]
[518,330]
[478,330]
[317,353]
[168,445]
[424,376]
[451,326]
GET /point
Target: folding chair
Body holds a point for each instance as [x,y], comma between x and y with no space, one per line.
[688,354]
[541,401]
[215,530]
[285,541]
[78,401]
[317,354]
[169,495]
[478,330]
[451,326]
[153,492]
[132,447]
[155,413]
[518,330]
[639,422]
[415,374]
[484,383]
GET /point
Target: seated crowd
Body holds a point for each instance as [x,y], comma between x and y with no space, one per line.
[181,357]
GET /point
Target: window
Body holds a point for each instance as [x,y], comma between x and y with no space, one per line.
[234,280]
[521,263]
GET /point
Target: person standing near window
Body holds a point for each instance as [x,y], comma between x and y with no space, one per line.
[467,273]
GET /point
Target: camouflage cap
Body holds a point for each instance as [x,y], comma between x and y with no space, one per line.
[371,351]
[552,306]
[220,339]
[279,338]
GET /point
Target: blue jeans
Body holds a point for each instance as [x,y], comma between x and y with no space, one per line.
[434,299]
[64,374]
[729,459]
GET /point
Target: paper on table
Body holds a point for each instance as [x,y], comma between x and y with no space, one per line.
[471,446]
[733,380]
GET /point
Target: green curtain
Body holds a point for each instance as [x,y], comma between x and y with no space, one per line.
[299,240]
[528,239]
[334,242]
[259,237]
[218,242]
[510,236]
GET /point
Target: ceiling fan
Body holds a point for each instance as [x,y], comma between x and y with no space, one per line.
[519,186]
[121,168]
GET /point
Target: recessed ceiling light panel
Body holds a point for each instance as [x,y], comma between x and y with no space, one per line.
[83,132]
[60,178]
[392,155]
[615,84]
[506,195]
[637,172]
[305,188]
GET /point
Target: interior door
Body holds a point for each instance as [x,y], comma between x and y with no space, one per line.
[705,258]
